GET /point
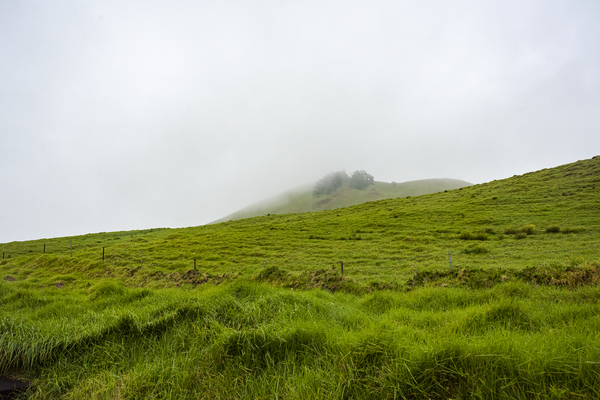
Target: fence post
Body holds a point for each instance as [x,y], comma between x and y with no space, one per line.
[450,258]
[194,264]
[141,259]
[103,254]
[341,262]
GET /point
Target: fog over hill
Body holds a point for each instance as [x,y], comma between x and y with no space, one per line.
[302,198]
[125,115]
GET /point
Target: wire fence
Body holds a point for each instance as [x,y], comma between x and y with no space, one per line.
[141,257]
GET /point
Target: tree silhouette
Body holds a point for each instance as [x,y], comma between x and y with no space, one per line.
[330,183]
[360,179]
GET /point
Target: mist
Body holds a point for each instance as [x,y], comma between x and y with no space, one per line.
[134,115]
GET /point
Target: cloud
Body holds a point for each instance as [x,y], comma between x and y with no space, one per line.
[136,115]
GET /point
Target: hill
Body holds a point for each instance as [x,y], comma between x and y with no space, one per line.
[261,308]
[388,239]
[301,199]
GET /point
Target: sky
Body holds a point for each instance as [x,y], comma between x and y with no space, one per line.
[122,115]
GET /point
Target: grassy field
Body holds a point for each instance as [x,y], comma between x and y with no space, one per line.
[266,312]
[301,199]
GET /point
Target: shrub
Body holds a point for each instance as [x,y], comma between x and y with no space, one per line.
[480,236]
[572,230]
[525,230]
[520,235]
[476,250]
[465,235]
[553,229]
[528,229]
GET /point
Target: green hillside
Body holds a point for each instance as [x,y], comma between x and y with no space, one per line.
[301,199]
[259,308]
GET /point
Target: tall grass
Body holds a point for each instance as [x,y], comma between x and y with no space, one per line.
[250,340]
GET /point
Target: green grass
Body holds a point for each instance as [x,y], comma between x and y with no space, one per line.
[387,240]
[516,316]
[254,341]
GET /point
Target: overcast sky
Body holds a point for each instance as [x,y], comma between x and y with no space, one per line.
[120,115]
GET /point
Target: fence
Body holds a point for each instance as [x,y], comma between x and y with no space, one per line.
[504,252]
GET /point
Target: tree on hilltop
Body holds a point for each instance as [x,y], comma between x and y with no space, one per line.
[334,180]
[330,183]
[361,179]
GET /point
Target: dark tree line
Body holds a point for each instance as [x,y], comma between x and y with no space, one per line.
[334,180]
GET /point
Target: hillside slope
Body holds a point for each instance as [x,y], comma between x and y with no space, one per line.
[301,199]
[386,240]
[261,308]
